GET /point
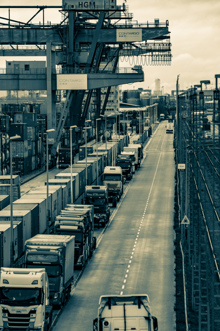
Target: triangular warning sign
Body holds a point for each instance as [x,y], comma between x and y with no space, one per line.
[185,220]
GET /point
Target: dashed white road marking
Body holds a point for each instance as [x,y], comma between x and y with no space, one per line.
[139,228]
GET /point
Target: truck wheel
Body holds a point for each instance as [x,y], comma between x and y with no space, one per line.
[68,293]
[93,243]
[82,262]
[49,322]
[115,203]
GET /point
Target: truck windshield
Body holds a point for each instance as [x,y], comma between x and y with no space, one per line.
[132,157]
[95,201]
[52,270]
[123,164]
[20,296]
[114,177]
[71,232]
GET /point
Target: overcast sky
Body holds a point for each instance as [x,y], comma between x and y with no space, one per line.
[195,37]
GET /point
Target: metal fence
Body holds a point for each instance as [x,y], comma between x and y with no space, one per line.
[197,147]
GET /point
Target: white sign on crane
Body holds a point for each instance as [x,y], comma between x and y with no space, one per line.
[72,82]
[128,35]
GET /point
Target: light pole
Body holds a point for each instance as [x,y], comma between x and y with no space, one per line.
[85,133]
[47,164]
[97,169]
[216,99]
[206,82]
[105,134]
[139,124]
[11,203]
[0,153]
[71,159]
[119,125]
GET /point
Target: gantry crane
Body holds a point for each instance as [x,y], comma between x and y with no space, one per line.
[90,34]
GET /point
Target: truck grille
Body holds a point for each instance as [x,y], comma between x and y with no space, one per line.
[19,321]
[112,186]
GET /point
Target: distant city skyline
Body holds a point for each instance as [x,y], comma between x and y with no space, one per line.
[194,34]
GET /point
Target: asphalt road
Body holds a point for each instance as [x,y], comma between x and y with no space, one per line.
[135,254]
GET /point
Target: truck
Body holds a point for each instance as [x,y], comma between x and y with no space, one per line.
[24,299]
[131,156]
[113,179]
[55,253]
[77,222]
[136,149]
[97,196]
[126,165]
[162,117]
[169,128]
[125,312]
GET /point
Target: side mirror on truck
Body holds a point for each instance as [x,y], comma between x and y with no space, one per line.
[95,324]
[155,323]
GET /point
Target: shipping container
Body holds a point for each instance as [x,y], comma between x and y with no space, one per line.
[19,129]
[56,192]
[29,118]
[5,179]
[93,163]
[5,190]
[30,199]
[66,189]
[33,162]
[34,209]
[75,178]
[31,133]
[42,195]
[102,156]
[19,149]
[108,149]
[19,215]
[22,165]
[82,176]
[88,171]
[4,123]
[18,237]
[4,201]
[82,149]
[5,243]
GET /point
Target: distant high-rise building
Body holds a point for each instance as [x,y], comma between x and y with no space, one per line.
[157,84]
[157,90]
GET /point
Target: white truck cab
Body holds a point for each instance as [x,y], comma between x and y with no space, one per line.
[130,312]
[24,299]
[113,179]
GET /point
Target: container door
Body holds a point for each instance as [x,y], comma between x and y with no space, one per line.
[16,69]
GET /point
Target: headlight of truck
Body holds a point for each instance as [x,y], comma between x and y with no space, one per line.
[56,296]
[4,313]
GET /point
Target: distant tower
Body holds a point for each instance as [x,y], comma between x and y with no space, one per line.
[157,84]
[157,91]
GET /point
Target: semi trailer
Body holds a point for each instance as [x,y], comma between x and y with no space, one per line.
[55,253]
[126,165]
[78,222]
[97,196]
